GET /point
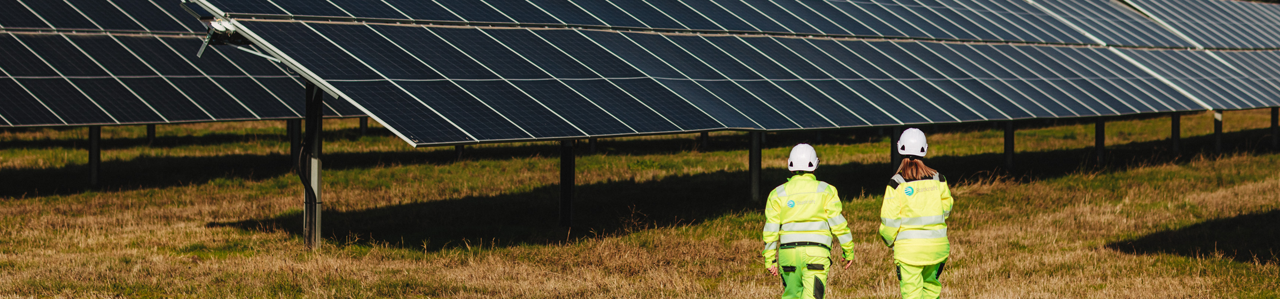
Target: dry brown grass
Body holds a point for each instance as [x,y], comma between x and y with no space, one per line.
[1040,237]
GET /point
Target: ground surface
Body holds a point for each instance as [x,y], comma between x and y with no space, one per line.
[212,210]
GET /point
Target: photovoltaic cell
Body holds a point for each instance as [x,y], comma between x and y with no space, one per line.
[423,10]
[436,52]
[461,108]
[520,108]
[298,41]
[721,17]
[367,46]
[687,17]
[666,98]
[567,12]
[397,110]
[15,15]
[369,9]
[22,109]
[630,110]
[546,56]
[475,11]
[522,11]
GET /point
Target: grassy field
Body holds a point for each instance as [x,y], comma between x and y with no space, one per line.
[213,210]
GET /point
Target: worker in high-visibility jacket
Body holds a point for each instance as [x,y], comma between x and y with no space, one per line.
[800,218]
[913,218]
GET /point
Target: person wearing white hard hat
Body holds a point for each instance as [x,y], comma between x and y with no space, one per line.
[917,202]
[801,216]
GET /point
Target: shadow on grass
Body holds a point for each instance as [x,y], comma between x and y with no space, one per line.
[613,208]
[1244,238]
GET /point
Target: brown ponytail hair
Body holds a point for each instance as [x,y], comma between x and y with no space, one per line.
[913,169]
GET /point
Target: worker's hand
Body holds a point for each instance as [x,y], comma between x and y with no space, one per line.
[848,263]
[773,270]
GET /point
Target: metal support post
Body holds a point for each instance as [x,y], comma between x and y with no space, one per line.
[895,159]
[313,202]
[567,176]
[1175,134]
[1100,138]
[591,144]
[293,127]
[364,126]
[706,141]
[1275,128]
[95,154]
[151,134]
[1008,145]
[753,164]
[1217,132]
[458,150]
[817,137]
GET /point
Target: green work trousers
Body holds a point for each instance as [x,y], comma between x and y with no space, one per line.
[920,282]
[804,271]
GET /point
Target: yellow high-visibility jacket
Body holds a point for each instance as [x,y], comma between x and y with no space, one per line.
[913,220]
[804,210]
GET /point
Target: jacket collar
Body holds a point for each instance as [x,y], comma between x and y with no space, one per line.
[806,176]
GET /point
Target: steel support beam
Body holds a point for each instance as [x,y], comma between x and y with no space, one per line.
[705,138]
[1175,133]
[591,144]
[1008,145]
[364,126]
[293,128]
[1275,128]
[1217,132]
[95,154]
[895,159]
[753,164]
[568,174]
[151,134]
[312,203]
[1100,138]
[458,151]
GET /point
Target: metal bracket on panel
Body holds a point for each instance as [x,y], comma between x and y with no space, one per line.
[222,32]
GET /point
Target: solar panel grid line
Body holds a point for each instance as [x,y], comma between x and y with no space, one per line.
[701,14]
[1264,66]
[1183,19]
[731,13]
[1234,79]
[907,19]
[34,96]
[33,12]
[1014,78]
[1204,103]
[966,89]
[761,13]
[1201,13]
[414,96]
[918,75]
[664,13]
[1237,23]
[1078,66]
[1046,19]
[521,90]
[878,66]
[1171,28]
[998,20]
[264,87]
[810,10]
[301,85]
[981,20]
[771,82]
[597,73]
[206,75]
[1024,21]
[846,14]
[1048,65]
[309,75]
[954,22]
[1194,83]
[988,85]
[1154,33]
[1257,21]
[915,10]
[806,82]
[754,94]
[857,13]
[700,85]
[113,76]
[1057,87]
[1087,33]
[682,97]
[845,84]
[1104,67]
[1237,94]
[68,80]
[553,76]
[879,87]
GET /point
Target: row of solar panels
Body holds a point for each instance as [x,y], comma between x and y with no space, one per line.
[449,85]
[1008,20]
[87,79]
[115,15]
[1220,23]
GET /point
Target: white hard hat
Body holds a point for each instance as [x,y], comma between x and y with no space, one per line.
[803,158]
[912,143]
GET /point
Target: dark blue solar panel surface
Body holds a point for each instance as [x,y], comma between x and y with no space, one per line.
[397,110]
[522,11]
[436,52]
[573,107]
[720,16]
[461,108]
[423,10]
[630,110]
[22,109]
[686,16]
[546,56]
[369,9]
[567,12]
[520,108]
[650,16]
[491,53]
[671,97]
[475,11]
[14,14]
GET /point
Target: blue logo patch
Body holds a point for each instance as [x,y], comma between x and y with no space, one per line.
[791,203]
[910,191]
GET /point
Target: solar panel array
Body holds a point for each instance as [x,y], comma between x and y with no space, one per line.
[1114,23]
[1216,83]
[439,85]
[1220,23]
[97,62]
[1263,67]
[1010,20]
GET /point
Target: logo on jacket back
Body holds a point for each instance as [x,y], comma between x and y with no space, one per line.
[791,203]
[910,191]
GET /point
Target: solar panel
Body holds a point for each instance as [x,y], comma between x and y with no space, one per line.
[1114,23]
[1220,85]
[112,62]
[1218,23]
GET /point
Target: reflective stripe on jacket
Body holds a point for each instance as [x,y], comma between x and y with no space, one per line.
[804,210]
[913,220]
